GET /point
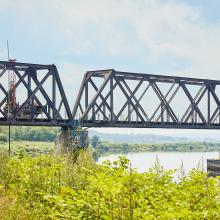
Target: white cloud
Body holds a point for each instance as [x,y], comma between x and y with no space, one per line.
[165,28]
[141,30]
[162,28]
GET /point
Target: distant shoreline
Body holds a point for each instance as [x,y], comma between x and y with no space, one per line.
[104,148]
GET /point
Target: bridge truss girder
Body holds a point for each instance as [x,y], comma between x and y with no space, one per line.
[36,85]
[149,101]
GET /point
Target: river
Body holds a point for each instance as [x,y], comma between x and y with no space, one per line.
[142,161]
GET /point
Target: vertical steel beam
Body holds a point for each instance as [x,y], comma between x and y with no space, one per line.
[111,99]
[209,107]
[29,94]
[62,93]
[86,97]
[96,95]
[54,95]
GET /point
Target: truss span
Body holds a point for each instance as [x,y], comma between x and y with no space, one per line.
[34,96]
[109,98]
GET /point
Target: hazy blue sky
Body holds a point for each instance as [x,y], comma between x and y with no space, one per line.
[176,37]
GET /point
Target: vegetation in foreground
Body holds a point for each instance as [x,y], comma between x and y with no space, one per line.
[61,187]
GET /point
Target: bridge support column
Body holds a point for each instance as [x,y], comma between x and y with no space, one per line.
[63,140]
[71,138]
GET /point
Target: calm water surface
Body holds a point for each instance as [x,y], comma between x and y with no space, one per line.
[142,161]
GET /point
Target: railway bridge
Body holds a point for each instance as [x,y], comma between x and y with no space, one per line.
[33,95]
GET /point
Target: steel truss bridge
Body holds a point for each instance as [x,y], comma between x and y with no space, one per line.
[108,98]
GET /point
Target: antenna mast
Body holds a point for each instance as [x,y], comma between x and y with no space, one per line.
[11,104]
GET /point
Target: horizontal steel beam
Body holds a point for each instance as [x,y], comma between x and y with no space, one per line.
[134,124]
[158,78]
[23,65]
[36,122]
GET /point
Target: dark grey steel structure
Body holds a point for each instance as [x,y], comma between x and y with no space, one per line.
[43,98]
[109,98]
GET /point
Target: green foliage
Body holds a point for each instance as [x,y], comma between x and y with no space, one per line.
[54,187]
[22,133]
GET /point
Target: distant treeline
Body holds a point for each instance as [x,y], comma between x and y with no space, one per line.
[133,138]
[107,147]
[21,133]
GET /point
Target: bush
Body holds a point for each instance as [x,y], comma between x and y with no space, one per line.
[52,187]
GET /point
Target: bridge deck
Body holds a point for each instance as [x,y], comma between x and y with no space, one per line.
[171,125]
[36,122]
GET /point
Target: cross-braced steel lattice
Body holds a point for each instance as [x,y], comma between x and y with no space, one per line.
[32,94]
[108,98]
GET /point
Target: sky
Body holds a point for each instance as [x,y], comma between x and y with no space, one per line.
[171,37]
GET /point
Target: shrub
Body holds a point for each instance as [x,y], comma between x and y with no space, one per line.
[53,187]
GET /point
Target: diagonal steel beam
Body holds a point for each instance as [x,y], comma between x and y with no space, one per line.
[80,93]
[216,114]
[162,99]
[139,99]
[137,104]
[92,102]
[130,101]
[32,95]
[170,99]
[2,72]
[80,107]
[213,117]
[103,113]
[191,105]
[60,105]
[101,96]
[210,88]
[193,102]
[47,98]
[62,93]
[16,85]
[126,103]
[160,105]
[196,103]
[106,98]
[21,79]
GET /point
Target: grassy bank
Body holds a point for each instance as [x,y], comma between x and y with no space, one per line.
[55,187]
[32,148]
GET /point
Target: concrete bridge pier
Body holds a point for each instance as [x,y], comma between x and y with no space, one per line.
[63,140]
[71,138]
